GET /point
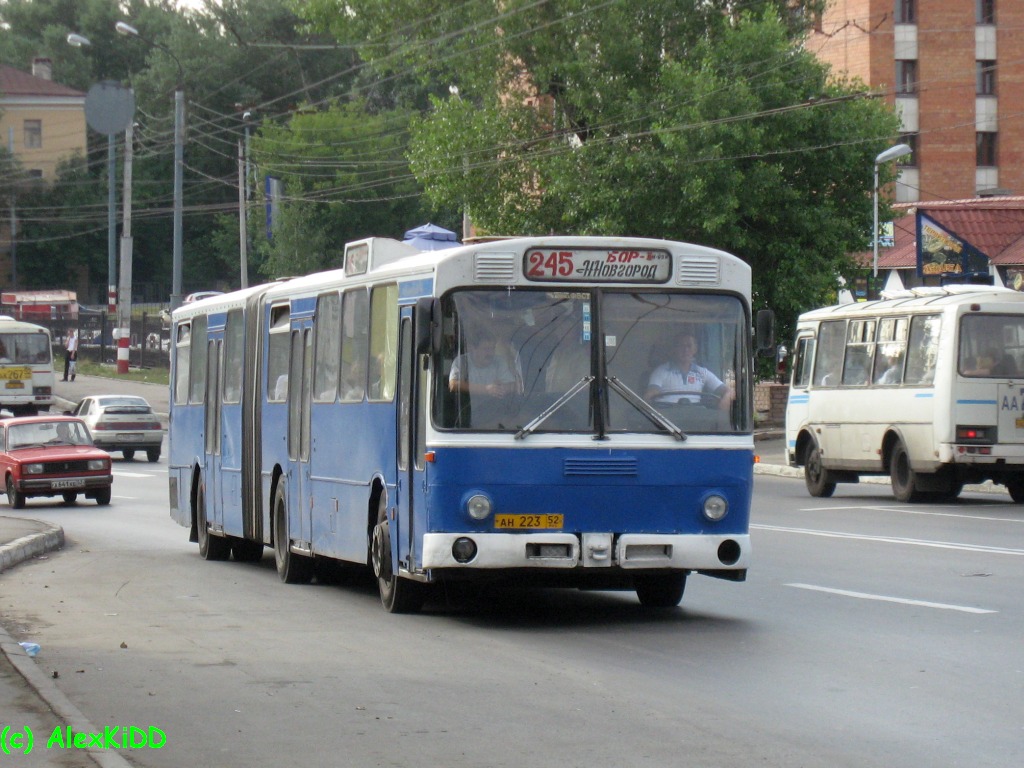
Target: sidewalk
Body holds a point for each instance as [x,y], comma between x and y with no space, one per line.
[31,699]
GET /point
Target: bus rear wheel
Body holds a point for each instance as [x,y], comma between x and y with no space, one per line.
[293,568]
[1016,489]
[397,595]
[210,547]
[660,591]
[818,479]
[902,475]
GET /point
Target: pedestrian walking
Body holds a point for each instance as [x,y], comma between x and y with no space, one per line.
[70,354]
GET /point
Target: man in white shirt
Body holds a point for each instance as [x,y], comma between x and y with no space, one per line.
[681,379]
[70,353]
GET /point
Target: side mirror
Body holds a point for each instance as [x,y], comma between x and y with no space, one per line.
[764,333]
[428,325]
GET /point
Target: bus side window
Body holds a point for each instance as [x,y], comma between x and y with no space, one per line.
[860,347]
[922,349]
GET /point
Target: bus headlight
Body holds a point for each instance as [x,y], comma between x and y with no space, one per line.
[715,507]
[478,506]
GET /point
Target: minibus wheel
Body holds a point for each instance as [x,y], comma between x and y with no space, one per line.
[1016,489]
[816,477]
[902,475]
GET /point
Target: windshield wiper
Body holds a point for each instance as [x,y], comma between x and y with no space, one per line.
[573,391]
[645,408]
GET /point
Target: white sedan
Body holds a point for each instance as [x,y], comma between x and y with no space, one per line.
[122,423]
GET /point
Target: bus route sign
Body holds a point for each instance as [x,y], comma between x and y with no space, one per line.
[597,265]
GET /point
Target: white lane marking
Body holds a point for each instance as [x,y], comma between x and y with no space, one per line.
[894,540]
[122,473]
[905,511]
[888,599]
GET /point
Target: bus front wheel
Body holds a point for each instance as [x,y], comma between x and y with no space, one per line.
[397,595]
[816,477]
[660,591]
[291,567]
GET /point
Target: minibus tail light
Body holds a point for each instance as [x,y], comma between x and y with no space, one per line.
[974,435]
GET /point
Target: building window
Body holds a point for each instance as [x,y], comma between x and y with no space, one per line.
[985,11]
[906,11]
[33,134]
[986,145]
[908,161]
[906,77]
[986,78]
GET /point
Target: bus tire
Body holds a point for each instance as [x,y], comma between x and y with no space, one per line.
[902,475]
[291,567]
[210,547]
[818,479]
[660,591]
[397,595]
[1016,490]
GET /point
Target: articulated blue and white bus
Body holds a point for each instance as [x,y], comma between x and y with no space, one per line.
[497,411]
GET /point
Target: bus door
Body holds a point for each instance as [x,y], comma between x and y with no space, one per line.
[214,478]
[798,406]
[410,462]
[300,364]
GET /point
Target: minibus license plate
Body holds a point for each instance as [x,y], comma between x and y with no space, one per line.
[521,522]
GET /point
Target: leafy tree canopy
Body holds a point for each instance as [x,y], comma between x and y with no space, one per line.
[688,119]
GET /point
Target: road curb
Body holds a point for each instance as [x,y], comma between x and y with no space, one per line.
[18,551]
[26,547]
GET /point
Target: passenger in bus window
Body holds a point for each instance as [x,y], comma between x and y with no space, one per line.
[353,382]
[681,379]
[893,372]
[483,371]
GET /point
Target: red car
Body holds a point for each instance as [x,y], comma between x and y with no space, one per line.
[52,456]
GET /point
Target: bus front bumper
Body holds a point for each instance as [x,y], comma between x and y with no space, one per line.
[634,551]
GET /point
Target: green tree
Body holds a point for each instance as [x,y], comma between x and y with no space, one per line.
[345,177]
[683,119]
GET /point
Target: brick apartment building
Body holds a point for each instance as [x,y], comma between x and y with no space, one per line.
[954,72]
[42,122]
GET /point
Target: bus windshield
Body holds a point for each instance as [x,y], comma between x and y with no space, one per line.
[24,348]
[526,360]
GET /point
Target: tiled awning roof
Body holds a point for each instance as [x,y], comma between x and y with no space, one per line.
[993,225]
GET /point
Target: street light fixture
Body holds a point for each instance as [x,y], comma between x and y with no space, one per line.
[890,154]
[123,28]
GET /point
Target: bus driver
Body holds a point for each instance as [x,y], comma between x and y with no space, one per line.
[681,379]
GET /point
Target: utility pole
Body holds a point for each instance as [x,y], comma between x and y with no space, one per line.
[124,298]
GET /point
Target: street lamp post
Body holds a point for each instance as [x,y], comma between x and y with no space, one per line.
[890,154]
[124,28]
